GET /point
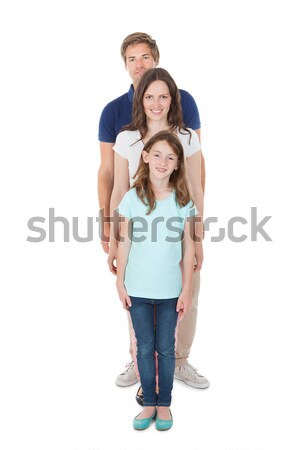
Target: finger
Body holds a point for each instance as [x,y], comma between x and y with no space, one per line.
[180,315]
[179,305]
[128,301]
[105,246]
[198,266]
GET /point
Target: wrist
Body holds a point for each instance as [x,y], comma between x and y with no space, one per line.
[187,290]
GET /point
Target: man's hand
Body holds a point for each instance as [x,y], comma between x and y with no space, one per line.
[124,297]
[183,304]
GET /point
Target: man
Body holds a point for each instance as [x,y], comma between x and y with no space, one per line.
[140,53]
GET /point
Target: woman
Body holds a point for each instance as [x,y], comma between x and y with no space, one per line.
[157,107]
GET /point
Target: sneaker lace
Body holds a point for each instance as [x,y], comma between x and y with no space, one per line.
[194,370]
[128,367]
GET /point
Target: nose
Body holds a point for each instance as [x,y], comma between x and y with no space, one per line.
[156,103]
[139,63]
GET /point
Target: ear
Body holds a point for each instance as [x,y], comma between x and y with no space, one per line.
[145,156]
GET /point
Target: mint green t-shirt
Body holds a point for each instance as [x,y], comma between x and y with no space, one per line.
[153,267]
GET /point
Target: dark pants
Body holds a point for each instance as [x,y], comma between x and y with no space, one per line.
[150,339]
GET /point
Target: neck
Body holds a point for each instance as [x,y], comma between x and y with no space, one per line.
[156,126]
[160,186]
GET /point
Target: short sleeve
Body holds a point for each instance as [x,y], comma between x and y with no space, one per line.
[190,112]
[125,206]
[191,144]
[121,145]
[194,145]
[106,131]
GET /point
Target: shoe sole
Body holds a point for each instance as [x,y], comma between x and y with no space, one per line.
[126,384]
[194,385]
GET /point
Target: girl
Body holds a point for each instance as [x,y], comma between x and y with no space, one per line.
[149,274]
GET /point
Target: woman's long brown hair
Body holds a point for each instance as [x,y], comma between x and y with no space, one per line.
[178,180]
[139,118]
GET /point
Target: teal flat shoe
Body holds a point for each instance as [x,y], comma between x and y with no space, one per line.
[143,424]
[164,425]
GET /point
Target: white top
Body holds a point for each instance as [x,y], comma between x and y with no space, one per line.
[127,146]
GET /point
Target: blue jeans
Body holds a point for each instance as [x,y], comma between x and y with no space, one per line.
[150,339]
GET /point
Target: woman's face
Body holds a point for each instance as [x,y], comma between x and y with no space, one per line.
[157,101]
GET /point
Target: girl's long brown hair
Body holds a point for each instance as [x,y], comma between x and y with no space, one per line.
[139,118]
[178,180]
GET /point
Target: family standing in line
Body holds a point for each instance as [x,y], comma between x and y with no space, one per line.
[152,171]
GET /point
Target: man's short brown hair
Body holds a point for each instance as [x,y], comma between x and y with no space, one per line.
[140,38]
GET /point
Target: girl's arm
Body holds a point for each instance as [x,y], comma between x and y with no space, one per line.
[122,258]
[185,298]
[194,177]
[121,186]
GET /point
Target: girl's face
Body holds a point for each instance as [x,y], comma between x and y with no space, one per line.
[157,101]
[162,160]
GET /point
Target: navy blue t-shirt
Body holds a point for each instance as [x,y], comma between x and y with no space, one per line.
[118,113]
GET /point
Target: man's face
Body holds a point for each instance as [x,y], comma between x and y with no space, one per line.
[138,59]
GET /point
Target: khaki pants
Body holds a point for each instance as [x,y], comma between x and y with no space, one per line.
[186,327]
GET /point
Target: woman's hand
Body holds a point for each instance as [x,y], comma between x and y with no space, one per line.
[198,256]
[112,257]
[106,237]
[124,297]
[183,304]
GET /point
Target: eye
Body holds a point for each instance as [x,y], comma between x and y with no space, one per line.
[146,57]
[164,97]
[148,97]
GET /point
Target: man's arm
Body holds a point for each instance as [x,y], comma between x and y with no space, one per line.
[105,187]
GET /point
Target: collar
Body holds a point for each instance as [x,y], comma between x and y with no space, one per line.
[130,93]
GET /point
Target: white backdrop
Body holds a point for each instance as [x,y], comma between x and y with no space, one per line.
[63,332]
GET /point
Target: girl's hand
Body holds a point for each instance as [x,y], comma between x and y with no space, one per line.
[123,296]
[183,304]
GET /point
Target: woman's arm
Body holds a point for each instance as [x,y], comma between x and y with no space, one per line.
[121,186]
[122,258]
[185,298]
[203,175]
[194,176]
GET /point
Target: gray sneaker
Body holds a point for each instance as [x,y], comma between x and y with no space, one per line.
[128,377]
[189,375]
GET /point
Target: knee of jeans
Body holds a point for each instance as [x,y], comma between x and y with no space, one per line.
[166,351]
[145,349]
